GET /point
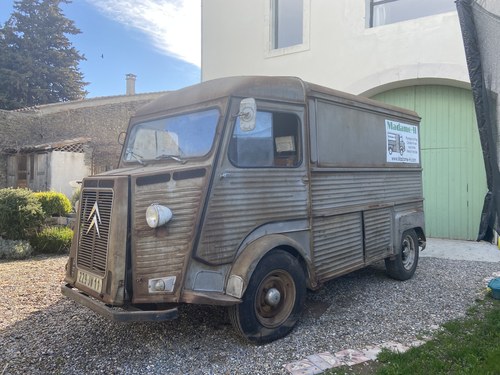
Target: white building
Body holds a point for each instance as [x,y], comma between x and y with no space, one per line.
[405,52]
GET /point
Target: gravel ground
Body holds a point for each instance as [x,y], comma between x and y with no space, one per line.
[42,332]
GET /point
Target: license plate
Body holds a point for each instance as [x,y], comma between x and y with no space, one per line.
[90,281]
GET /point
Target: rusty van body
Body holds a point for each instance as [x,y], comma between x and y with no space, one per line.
[245,192]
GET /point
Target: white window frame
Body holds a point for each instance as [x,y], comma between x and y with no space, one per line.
[270,51]
[370,7]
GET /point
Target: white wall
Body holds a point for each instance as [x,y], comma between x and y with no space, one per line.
[64,168]
[341,51]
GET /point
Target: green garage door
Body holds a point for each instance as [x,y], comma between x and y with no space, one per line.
[454,176]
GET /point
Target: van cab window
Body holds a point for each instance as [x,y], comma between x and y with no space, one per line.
[274,142]
[184,136]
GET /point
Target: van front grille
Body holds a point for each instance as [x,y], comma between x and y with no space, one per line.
[95,219]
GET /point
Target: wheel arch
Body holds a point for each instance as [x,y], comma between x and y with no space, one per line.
[409,220]
[252,254]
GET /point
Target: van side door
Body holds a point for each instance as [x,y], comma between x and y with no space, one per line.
[261,186]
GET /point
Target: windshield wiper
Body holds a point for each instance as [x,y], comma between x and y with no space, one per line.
[136,157]
[169,156]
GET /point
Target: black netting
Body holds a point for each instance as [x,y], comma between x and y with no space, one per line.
[480,24]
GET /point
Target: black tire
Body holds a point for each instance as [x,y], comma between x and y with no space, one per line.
[390,150]
[403,266]
[273,300]
[401,151]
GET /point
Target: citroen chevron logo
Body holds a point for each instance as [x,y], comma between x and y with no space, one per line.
[95,219]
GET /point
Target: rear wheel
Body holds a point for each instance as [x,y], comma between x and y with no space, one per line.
[273,300]
[403,266]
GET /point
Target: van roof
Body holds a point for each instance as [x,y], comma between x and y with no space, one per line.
[289,89]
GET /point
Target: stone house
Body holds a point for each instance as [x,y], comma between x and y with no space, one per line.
[48,147]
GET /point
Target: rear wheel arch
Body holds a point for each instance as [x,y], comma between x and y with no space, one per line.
[407,220]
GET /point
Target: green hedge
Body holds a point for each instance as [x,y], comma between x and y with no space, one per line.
[52,240]
[10,249]
[54,203]
[21,214]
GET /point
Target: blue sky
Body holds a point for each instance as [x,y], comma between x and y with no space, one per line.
[157,40]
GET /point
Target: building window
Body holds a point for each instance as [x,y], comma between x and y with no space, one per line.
[383,12]
[287,23]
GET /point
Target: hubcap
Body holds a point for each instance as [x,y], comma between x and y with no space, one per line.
[275,299]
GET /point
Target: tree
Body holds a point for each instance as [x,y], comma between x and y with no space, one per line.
[38,64]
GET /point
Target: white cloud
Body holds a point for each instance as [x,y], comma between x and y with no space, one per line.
[174,26]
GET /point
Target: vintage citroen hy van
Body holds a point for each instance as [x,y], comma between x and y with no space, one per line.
[244,192]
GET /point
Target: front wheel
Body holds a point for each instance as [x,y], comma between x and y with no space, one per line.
[273,300]
[403,266]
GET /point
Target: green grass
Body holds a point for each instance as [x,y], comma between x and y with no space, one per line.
[466,346]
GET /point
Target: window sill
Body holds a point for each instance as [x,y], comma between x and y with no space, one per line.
[287,50]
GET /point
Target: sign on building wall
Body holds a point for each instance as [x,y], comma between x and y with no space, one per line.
[402,142]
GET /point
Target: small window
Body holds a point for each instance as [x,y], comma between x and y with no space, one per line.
[287,23]
[273,143]
[383,12]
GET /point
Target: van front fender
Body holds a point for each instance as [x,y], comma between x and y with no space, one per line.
[249,258]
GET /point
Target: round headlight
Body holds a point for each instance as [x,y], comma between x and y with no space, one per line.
[158,215]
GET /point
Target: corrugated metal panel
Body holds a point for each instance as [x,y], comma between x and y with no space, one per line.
[378,229]
[338,244]
[162,252]
[246,199]
[454,177]
[333,190]
[338,239]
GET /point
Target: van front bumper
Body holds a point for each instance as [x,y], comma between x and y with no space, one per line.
[118,314]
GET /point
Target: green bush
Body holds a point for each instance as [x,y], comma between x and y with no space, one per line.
[54,203]
[20,214]
[75,197]
[52,240]
[10,249]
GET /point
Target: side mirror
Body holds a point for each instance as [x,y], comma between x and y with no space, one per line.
[247,114]
[121,138]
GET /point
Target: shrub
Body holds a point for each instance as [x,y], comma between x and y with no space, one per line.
[54,203]
[52,240]
[75,197]
[10,249]
[20,214]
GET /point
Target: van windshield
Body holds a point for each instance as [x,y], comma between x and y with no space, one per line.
[179,137]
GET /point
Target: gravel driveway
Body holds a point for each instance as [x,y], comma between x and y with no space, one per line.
[42,332]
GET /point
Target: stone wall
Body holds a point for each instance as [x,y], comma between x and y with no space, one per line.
[100,119]
[14,130]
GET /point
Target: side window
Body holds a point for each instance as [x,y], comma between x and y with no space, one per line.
[275,142]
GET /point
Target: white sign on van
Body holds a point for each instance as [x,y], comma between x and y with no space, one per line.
[402,142]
